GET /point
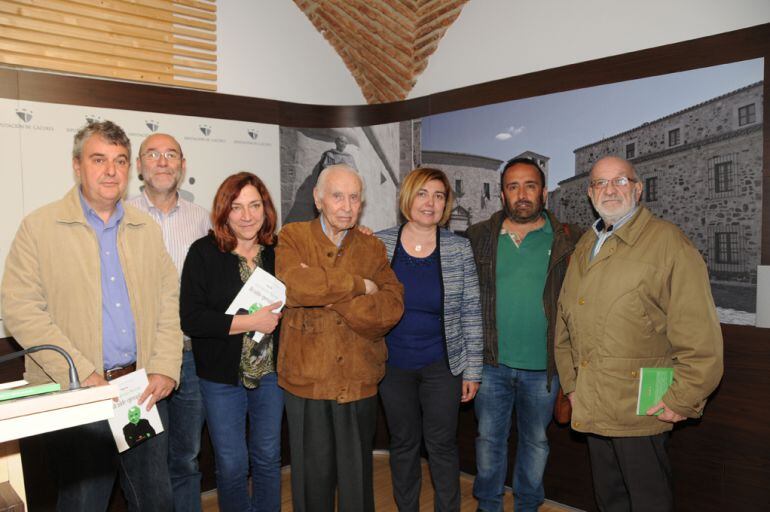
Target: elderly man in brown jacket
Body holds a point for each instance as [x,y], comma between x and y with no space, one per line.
[636,295]
[341,297]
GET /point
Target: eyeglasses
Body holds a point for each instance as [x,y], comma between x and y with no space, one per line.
[168,155]
[619,182]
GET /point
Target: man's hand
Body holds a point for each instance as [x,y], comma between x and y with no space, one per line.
[159,387]
[94,380]
[571,398]
[365,230]
[667,415]
[371,287]
[469,390]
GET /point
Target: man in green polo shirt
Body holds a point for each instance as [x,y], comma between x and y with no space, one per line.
[521,254]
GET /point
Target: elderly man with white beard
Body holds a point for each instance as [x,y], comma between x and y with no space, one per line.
[636,295]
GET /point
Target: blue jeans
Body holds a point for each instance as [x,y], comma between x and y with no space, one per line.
[185,415]
[226,408]
[502,390]
[87,463]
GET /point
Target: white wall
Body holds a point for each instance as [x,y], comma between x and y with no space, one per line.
[269,49]
[495,39]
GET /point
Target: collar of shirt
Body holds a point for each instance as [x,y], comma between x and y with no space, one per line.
[152,208]
[93,218]
[545,228]
[602,235]
[323,228]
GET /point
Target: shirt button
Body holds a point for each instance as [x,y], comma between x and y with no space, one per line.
[107,253]
[581,301]
[117,304]
[112,278]
[123,331]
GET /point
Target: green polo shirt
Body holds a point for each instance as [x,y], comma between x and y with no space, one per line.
[520,278]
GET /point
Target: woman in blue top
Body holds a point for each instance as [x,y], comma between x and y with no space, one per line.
[435,351]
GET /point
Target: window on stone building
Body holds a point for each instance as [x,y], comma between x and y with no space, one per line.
[747,114]
[674,137]
[726,248]
[651,189]
[630,150]
[725,254]
[459,188]
[722,175]
[487,191]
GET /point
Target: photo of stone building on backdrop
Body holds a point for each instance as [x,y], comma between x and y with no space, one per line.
[698,155]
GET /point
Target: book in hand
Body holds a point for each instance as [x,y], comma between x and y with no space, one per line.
[653,384]
[132,424]
[261,289]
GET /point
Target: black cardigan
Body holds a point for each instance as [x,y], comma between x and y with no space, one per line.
[210,281]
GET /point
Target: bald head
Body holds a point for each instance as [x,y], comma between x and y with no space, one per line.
[614,162]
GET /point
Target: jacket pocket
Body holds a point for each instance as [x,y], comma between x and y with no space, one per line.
[303,352]
[617,385]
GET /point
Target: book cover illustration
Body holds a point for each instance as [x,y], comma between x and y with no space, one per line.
[653,384]
[132,424]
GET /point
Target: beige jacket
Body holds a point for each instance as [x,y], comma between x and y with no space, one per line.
[51,291]
[644,301]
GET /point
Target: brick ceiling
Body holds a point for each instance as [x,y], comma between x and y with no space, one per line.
[384,43]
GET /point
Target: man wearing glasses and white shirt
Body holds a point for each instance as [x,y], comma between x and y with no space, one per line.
[161,165]
[636,295]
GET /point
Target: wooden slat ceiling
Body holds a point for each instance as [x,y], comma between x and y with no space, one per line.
[169,42]
[384,43]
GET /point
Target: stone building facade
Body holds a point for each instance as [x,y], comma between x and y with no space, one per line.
[476,184]
[701,168]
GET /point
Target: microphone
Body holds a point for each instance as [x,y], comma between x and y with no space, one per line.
[73,372]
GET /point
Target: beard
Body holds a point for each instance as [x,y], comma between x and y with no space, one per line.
[521,215]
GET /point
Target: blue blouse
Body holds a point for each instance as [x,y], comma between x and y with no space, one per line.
[418,339]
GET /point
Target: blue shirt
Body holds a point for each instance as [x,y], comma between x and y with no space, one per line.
[417,340]
[118,329]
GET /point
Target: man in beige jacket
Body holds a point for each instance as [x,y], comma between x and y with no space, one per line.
[636,295]
[92,276]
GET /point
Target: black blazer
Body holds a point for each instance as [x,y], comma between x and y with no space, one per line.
[210,281]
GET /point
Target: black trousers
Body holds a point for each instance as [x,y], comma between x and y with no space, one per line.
[423,405]
[631,473]
[331,451]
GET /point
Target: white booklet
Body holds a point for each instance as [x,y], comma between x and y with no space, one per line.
[133,424]
[261,289]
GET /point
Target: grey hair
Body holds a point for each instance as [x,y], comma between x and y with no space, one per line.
[107,130]
[320,185]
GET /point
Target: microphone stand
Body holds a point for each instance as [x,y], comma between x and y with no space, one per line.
[73,372]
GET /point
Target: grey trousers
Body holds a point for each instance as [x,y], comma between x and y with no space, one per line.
[331,452]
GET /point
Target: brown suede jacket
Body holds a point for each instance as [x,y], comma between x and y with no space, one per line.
[332,345]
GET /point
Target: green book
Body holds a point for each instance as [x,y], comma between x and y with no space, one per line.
[653,383]
[10,394]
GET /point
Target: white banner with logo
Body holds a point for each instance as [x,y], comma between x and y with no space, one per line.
[36,148]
